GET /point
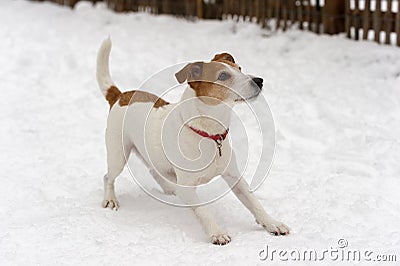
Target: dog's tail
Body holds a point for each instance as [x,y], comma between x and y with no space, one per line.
[107,86]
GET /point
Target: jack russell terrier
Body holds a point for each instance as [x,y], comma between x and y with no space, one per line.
[138,122]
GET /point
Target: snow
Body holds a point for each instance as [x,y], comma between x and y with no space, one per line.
[336,105]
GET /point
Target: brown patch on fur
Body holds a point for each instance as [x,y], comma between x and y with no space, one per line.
[230,63]
[227,59]
[223,56]
[210,93]
[126,98]
[130,97]
[203,78]
[112,96]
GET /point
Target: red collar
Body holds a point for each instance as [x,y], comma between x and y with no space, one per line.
[217,137]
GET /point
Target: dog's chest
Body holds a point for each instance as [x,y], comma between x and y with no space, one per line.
[211,163]
[166,144]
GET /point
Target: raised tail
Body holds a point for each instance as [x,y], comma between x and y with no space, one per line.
[107,86]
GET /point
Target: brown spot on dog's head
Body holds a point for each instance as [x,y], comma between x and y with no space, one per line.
[227,59]
[211,81]
[210,93]
[219,80]
[223,56]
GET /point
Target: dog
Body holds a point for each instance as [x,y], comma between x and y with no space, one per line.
[152,127]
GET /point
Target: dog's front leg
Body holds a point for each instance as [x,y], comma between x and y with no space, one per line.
[242,191]
[189,196]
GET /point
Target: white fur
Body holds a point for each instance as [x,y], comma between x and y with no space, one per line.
[153,134]
[103,73]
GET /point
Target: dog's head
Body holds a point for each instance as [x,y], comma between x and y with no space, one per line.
[220,80]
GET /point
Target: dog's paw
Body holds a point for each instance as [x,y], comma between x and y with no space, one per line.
[220,239]
[111,203]
[276,228]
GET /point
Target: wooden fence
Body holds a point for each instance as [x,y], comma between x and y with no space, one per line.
[376,17]
[366,19]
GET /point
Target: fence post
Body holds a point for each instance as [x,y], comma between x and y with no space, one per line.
[388,21]
[377,20]
[72,3]
[308,15]
[366,19]
[333,16]
[263,7]
[356,20]
[200,8]
[398,27]
[277,14]
[270,9]
[348,19]
[292,11]
[300,14]
[317,16]
[284,11]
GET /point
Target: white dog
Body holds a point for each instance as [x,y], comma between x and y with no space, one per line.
[142,122]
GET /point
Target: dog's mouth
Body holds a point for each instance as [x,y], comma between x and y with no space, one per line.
[240,100]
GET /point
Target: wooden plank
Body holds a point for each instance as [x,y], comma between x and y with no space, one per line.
[135,5]
[126,5]
[153,6]
[165,7]
[317,19]
[377,20]
[366,19]
[250,9]
[270,8]
[223,9]
[300,15]
[72,3]
[227,9]
[243,9]
[284,9]
[257,10]
[277,14]
[262,13]
[119,6]
[219,12]
[236,12]
[199,8]
[356,19]
[398,25]
[333,16]
[348,19]
[308,14]
[388,20]
[292,11]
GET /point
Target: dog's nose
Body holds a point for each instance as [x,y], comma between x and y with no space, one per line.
[259,82]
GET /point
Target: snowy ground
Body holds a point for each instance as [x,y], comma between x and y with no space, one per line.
[336,104]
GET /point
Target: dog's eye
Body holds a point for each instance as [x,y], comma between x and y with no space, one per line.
[223,76]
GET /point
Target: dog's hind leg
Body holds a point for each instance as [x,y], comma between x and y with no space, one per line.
[117,155]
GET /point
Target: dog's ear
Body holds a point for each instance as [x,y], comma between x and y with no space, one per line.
[192,71]
[223,56]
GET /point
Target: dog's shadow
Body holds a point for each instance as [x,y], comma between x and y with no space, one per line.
[141,209]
